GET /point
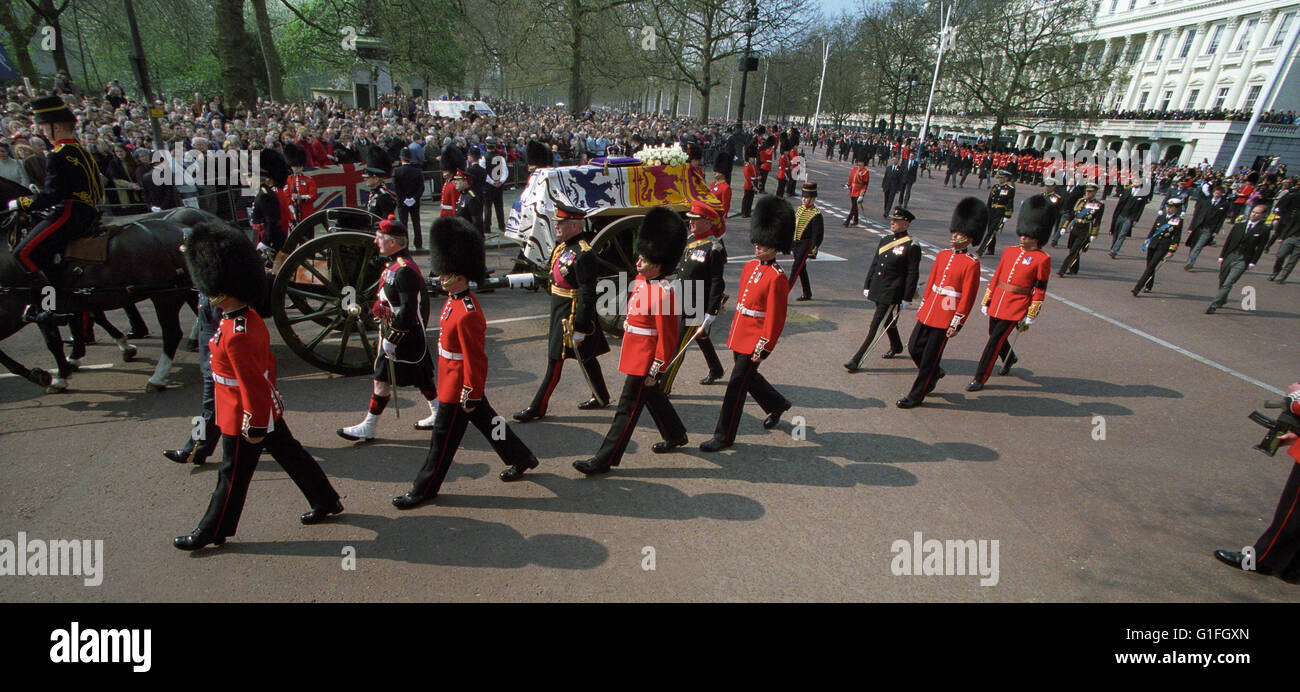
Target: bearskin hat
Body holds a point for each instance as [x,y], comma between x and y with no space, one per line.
[295,155]
[751,152]
[378,162]
[794,138]
[1036,219]
[723,163]
[451,159]
[271,164]
[397,229]
[457,249]
[760,130]
[223,262]
[772,223]
[661,238]
[785,142]
[970,218]
[1253,177]
[538,154]
[771,141]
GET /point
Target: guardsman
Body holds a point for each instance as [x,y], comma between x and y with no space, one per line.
[574,332]
[949,296]
[408,186]
[452,163]
[649,342]
[759,319]
[783,179]
[249,411]
[1002,199]
[538,155]
[751,180]
[72,188]
[809,230]
[268,218]
[458,259]
[890,284]
[403,359]
[720,188]
[859,181]
[701,273]
[1161,242]
[299,190]
[1017,289]
[1085,223]
[381,202]
[765,162]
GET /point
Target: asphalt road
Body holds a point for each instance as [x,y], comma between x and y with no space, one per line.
[1107,466]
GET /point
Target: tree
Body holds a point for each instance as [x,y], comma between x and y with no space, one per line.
[270,55]
[49,13]
[20,33]
[236,71]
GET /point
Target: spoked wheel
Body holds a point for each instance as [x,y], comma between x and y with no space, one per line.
[615,257]
[321,300]
[329,221]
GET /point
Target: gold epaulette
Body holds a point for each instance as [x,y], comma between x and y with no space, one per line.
[564,292]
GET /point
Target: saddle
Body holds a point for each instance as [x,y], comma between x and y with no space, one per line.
[92,248]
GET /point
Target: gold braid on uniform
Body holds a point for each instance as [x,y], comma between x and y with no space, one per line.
[1034,307]
[803,215]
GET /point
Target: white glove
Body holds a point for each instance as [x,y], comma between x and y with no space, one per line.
[263,247]
[13,205]
[155,208]
[1251,265]
[390,348]
[708,320]
[984,310]
[1029,321]
[409,201]
[866,294]
[577,338]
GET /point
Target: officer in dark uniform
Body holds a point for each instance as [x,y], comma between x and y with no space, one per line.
[267,218]
[1002,199]
[408,188]
[1161,242]
[891,282]
[1084,225]
[701,273]
[72,188]
[382,202]
[477,185]
[469,204]
[809,229]
[249,411]
[575,332]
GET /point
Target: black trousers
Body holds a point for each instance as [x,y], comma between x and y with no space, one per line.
[889,200]
[706,347]
[449,429]
[801,270]
[595,379]
[997,347]
[996,221]
[410,217]
[781,185]
[762,180]
[926,349]
[745,379]
[905,197]
[1277,551]
[1156,254]
[747,203]
[853,211]
[636,394]
[495,201]
[1079,240]
[883,312]
[241,456]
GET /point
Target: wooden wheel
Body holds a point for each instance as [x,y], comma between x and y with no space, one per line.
[330,221]
[616,265]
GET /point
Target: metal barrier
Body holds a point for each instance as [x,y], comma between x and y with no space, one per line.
[226,202]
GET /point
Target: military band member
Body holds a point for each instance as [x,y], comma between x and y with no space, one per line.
[891,283]
[249,411]
[759,319]
[1161,242]
[574,332]
[381,202]
[458,259]
[1002,199]
[1017,289]
[649,343]
[403,359]
[1084,225]
[701,269]
[949,296]
[809,230]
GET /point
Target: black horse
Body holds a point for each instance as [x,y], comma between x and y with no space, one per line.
[144,262]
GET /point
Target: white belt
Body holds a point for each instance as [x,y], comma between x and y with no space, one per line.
[948,291]
[229,382]
[639,331]
[751,313]
[449,355]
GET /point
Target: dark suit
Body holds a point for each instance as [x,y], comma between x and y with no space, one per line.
[1206,222]
[408,183]
[1241,251]
[891,279]
[895,179]
[910,168]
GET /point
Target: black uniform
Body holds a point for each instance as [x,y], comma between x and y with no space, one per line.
[403,348]
[809,229]
[573,297]
[469,206]
[1162,240]
[381,202]
[477,184]
[493,196]
[703,264]
[1085,223]
[895,270]
[267,219]
[1002,199]
[408,184]
[72,188]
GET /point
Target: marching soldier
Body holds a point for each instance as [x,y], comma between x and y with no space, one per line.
[949,297]
[268,218]
[381,202]
[1127,212]
[649,340]
[751,180]
[1002,198]
[249,411]
[1161,242]
[891,284]
[859,181]
[408,184]
[1084,226]
[1017,289]
[759,319]
[403,359]
[702,265]
[452,162]
[809,228]
[299,190]
[575,332]
[458,258]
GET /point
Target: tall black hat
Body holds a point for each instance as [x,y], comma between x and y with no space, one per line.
[662,238]
[723,163]
[223,262]
[51,109]
[751,152]
[772,223]
[794,138]
[1036,219]
[538,154]
[271,164]
[970,218]
[457,249]
[451,159]
[785,142]
[771,141]
[295,155]
[378,162]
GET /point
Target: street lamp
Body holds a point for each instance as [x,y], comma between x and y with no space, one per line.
[912,80]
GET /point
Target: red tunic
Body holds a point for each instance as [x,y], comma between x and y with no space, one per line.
[783,166]
[950,290]
[859,180]
[1026,270]
[450,195]
[751,174]
[650,332]
[243,373]
[722,191]
[760,309]
[765,159]
[306,189]
[462,354]
[1293,401]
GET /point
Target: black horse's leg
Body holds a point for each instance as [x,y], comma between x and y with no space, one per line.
[168,309]
[77,328]
[55,346]
[139,329]
[35,375]
[127,350]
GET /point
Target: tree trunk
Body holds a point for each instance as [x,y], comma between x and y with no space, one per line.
[575,66]
[236,73]
[274,73]
[20,38]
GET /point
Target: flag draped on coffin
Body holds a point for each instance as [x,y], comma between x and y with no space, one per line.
[339,185]
[599,190]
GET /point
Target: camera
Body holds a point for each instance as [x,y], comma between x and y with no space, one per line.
[1286,422]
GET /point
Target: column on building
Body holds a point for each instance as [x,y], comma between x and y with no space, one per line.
[1212,77]
[1135,87]
[1180,92]
[1241,85]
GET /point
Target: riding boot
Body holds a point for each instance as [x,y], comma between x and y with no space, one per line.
[33,313]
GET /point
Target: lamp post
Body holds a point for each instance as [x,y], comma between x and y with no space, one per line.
[912,81]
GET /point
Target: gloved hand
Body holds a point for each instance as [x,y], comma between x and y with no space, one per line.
[381,310]
[866,294]
[13,205]
[1021,326]
[1029,321]
[1250,266]
[155,208]
[577,338]
[390,348]
[409,201]
[707,324]
[984,310]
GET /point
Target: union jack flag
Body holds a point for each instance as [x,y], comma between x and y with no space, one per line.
[339,185]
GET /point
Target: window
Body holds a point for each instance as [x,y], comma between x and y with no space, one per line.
[1114,6]
[1248,36]
[1252,97]
[1214,40]
[1132,4]
[1191,99]
[1187,43]
[1221,97]
[1160,47]
[1164,100]
[1142,101]
[1282,26]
